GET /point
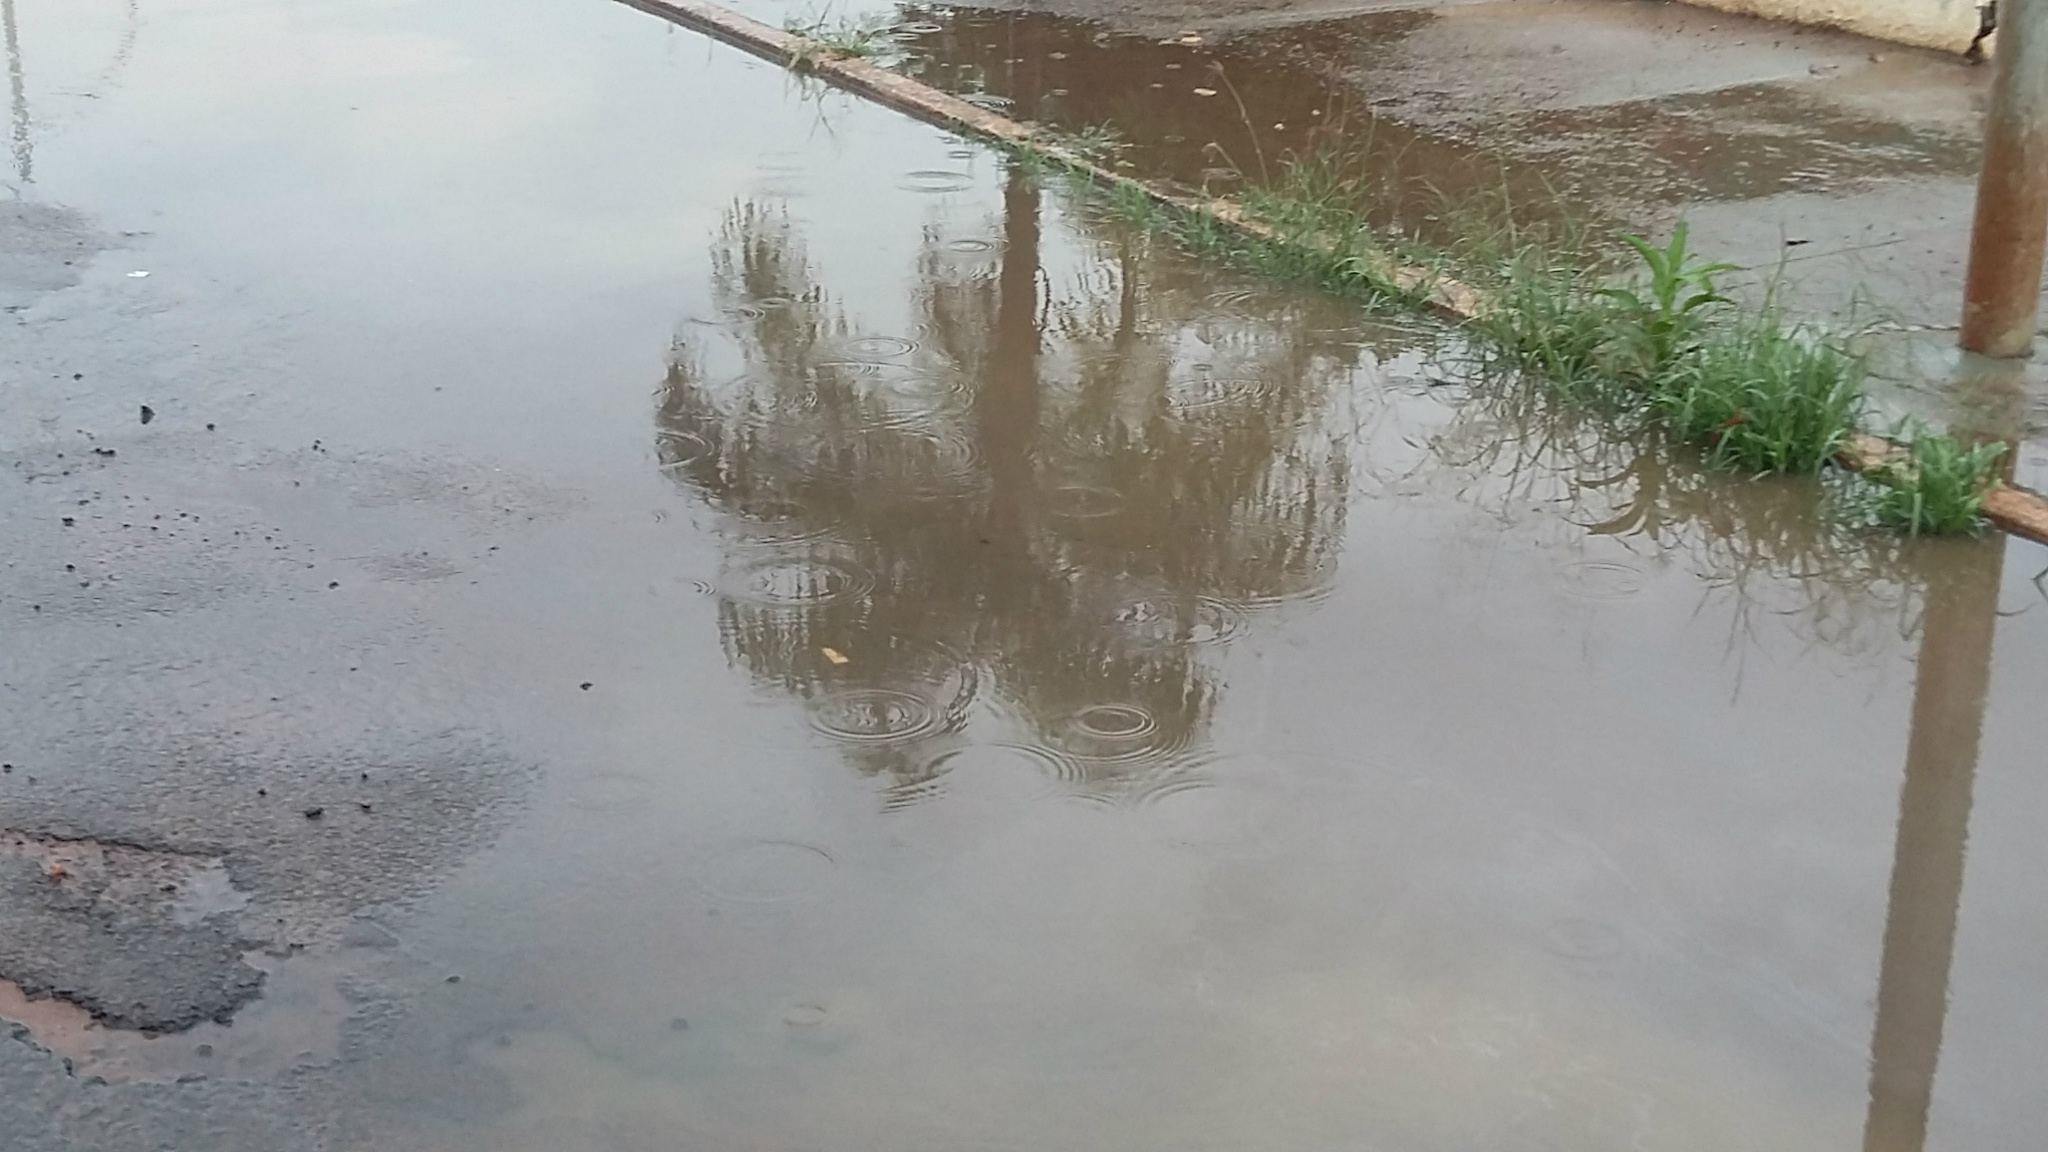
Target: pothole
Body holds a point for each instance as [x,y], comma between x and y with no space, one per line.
[297,1024]
[139,938]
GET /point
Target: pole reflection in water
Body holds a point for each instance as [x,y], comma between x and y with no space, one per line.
[1026,529]
[1954,676]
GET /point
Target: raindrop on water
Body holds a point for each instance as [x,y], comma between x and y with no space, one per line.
[883,346]
[935,180]
[1600,580]
[806,1016]
[767,871]
[1084,502]
[796,582]
[874,715]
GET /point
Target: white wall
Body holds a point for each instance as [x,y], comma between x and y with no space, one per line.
[1945,24]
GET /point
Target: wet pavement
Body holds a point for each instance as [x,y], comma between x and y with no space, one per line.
[1838,173]
[565,590]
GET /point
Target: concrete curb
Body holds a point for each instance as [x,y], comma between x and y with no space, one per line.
[2014,510]
[1943,25]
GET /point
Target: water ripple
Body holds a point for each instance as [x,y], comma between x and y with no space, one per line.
[786,582]
[874,715]
[935,180]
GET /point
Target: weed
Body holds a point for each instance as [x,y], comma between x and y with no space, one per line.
[819,39]
[1130,203]
[1936,488]
[1762,396]
[1034,161]
[1551,321]
[1095,143]
[1202,232]
[1660,323]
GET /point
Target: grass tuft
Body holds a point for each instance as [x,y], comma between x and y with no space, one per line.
[820,39]
[1937,488]
[1551,321]
[1762,396]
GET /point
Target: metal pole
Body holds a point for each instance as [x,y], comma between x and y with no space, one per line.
[2003,293]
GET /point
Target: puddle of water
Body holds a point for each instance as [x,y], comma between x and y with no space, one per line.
[1008,684]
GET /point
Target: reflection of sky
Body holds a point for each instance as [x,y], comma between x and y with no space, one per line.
[477,200]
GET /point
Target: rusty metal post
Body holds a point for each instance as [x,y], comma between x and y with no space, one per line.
[2003,293]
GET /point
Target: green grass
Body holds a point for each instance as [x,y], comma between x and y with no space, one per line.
[820,39]
[1755,392]
[1762,396]
[1096,143]
[1938,488]
[1551,321]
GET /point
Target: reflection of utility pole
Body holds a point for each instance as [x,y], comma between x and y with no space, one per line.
[2002,296]
[1954,675]
[18,90]
[1006,403]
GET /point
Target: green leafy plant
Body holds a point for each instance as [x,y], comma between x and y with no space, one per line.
[1936,488]
[1762,396]
[1660,322]
[1550,321]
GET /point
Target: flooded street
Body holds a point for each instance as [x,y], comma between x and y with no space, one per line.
[565,590]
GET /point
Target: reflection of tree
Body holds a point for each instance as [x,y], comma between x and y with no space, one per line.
[1063,487]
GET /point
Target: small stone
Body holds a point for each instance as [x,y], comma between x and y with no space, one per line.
[148,413]
[585,685]
[455,979]
[315,813]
